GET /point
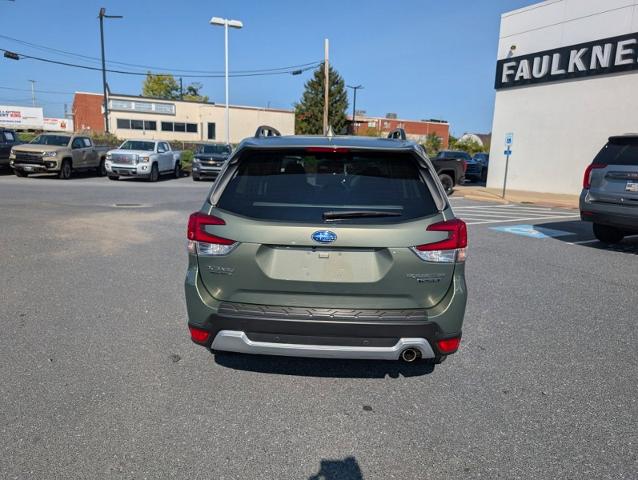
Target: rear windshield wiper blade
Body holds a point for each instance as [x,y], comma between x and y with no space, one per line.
[337,215]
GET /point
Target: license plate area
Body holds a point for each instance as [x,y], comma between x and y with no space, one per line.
[631,187]
[324,264]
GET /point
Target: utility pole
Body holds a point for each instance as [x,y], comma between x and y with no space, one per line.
[102,15]
[32,92]
[326,89]
[354,104]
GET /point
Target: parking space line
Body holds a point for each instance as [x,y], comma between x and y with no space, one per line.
[583,242]
[520,219]
[510,215]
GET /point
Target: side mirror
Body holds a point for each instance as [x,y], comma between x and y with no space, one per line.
[160,150]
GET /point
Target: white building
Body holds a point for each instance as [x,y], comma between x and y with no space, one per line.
[132,116]
[566,79]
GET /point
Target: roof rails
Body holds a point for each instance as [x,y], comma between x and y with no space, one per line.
[267,131]
[397,134]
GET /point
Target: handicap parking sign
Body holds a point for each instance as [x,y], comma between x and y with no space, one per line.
[509,139]
[532,231]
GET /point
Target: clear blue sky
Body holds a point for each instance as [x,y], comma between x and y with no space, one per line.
[417,58]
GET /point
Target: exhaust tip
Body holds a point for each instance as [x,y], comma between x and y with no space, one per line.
[410,355]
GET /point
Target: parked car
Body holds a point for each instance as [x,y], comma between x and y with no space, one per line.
[477,167]
[8,140]
[60,153]
[320,246]
[143,159]
[209,159]
[610,190]
[450,165]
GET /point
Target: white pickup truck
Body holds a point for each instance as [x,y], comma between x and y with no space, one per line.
[143,158]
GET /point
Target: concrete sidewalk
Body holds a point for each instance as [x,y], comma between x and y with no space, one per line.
[473,192]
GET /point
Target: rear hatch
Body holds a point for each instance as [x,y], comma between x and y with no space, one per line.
[614,172]
[328,227]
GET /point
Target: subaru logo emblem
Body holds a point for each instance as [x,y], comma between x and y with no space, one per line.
[324,236]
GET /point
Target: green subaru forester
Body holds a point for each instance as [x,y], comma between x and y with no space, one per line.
[332,247]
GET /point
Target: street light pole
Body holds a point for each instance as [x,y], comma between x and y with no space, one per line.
[354,104]
[234,24]
[32,92]
[102,15]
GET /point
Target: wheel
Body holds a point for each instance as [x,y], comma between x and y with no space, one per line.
[65,170]
[196,178]
[20,173]
[114,177]
[154,173]
[101,169]
[447,182]
[177,171]
[607,234]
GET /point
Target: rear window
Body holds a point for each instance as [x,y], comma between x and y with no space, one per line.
[619,151]
[302,186]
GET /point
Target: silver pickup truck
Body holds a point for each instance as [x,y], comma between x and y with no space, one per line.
[60,153]
[144,159]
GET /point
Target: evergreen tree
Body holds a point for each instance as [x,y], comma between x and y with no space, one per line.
[309,111]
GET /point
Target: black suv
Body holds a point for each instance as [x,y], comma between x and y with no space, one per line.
[8,140]
[450,165]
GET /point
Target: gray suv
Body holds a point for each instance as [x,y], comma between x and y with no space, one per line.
[610,190]
[333,247]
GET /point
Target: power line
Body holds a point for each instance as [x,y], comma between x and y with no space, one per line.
[52,92]
[141,74]
[163,69]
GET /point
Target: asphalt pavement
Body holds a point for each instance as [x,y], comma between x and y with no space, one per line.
[99,379]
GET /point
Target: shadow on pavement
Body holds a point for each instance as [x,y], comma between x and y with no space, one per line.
[346,469]
[582,232]
[319,367]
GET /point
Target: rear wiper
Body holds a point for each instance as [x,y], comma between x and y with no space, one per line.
[358,214]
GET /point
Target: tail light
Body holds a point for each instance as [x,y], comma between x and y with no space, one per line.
[450,250]
[198,335]
[448,345]
[201,242]
[587,175]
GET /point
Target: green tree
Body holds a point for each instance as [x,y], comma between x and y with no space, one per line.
[193,93]
[433,144]
[469,146]
[160,86]
[309,111]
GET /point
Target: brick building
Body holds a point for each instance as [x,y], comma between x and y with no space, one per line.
[416,130]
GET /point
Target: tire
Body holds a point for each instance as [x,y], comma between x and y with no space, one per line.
[114,177]
[65,170]
[177,171]
[607,234]
[447,182]
[154,176]
[21,173]
[196,178]
[101,169]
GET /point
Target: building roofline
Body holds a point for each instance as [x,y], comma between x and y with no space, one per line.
[534,6]
[208,104]
[364,118]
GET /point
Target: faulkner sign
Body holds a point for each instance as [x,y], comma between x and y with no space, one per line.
[601,57]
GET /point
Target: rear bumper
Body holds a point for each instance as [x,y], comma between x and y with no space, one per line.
[324,332]
[240,342]
[620,216]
